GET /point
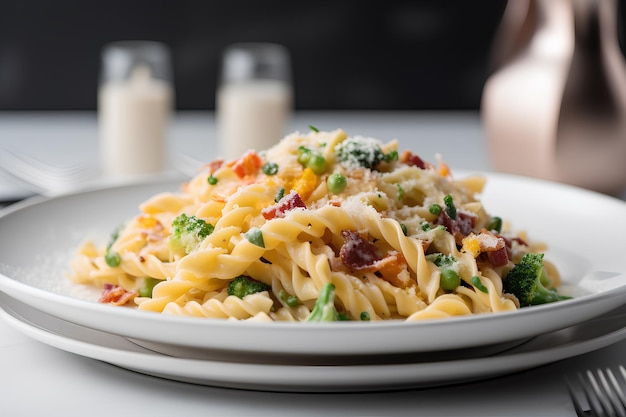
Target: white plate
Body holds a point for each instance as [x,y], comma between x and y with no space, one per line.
[582,229]
[116,350]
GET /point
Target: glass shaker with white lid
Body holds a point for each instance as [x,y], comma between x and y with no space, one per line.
[135,102]
[254,97]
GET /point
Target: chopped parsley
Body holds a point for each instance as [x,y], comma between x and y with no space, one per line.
[279,195]
[476,282]
[450,207]
[255,236]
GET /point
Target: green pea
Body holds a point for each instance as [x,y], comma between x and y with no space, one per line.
[304,154]
[212,180]
[148,286]
[317,163]
[336,183]
[449,279]
[270,168]
[434,209]
[365,316]
[113,259]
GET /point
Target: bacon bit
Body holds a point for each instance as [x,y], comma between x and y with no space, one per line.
[411,159]
[287,203]
[498,257]
[116,295]
[357,253]
[509,241]
[248,165]
[459,228]
[495,247]
[215,165]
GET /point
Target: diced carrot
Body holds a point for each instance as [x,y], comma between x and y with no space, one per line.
[471,245]
[393,269]
[305,184]
[147,221]
[444,169]
[248,165]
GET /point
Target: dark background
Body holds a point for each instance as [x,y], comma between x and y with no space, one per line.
[391,54]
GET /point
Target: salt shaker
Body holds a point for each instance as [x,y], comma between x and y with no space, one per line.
[254,97]
[135,101]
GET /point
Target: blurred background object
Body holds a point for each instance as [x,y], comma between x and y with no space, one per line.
[254,97]
[404,55]
[397,54]
[555,107]
[135,102]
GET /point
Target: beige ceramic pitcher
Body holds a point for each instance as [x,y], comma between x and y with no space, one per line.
[554,106]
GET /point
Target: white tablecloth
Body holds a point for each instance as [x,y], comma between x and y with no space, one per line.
[40,380]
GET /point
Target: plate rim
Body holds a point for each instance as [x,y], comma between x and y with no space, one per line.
[53,303]
[220,373]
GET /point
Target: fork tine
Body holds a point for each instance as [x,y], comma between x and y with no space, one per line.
[45,176]
[619,385]
[611,390]
[592,394]
[599,393]
[599,386]
[573,393]
[48,168]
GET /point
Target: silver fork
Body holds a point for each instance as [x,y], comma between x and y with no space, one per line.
[599,393]
[42,177]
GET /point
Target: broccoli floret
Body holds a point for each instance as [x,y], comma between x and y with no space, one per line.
[244,285]
[324,309]
[188,232]
[364,152]
[441,260]
[524,281]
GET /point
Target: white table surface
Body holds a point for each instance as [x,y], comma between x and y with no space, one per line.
[37,380]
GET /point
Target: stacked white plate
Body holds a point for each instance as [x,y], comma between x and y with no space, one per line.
[582,228]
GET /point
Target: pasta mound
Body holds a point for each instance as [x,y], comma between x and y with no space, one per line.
[398,237]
